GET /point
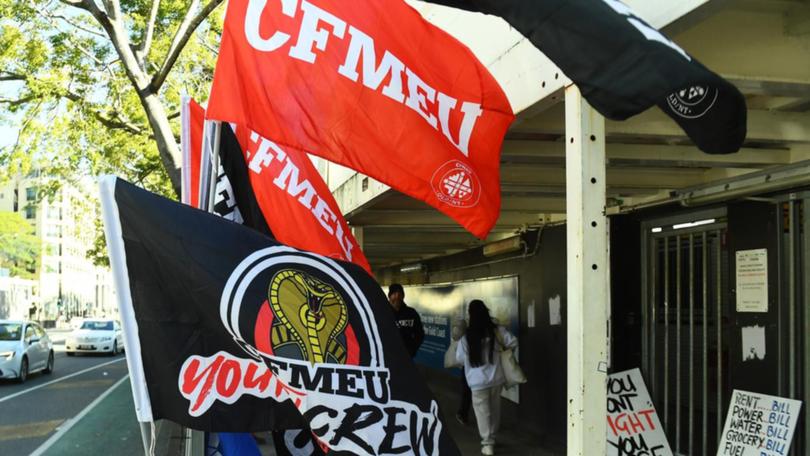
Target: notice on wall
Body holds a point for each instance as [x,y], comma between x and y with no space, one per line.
[758,425]
[753,343]
[752,280]
[633,425]
[554,313]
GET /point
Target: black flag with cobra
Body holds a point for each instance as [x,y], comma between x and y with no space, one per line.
[230,331]
[624,66]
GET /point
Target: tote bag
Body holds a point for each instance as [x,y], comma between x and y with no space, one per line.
[511,369]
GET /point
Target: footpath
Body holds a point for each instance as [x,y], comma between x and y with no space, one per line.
[108,426]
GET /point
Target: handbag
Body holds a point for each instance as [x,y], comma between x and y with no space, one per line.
[450,356]
[512,372]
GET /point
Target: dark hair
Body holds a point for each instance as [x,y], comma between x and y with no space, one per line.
[394,287]
[481,327]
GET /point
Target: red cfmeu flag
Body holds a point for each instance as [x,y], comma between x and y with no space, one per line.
[296,203]
[192,116]
[373,86]
[292,198]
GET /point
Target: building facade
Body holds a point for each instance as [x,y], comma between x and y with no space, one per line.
[68,283]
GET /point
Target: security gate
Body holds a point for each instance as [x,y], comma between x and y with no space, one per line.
[685,349]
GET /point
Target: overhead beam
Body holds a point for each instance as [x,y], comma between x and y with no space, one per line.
[516,151]
[770,87]
[376,236]
[764,126]
[432,218]
[358,192]
[412,249]
[650,178]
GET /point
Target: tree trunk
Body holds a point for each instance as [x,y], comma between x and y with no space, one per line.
[166,142]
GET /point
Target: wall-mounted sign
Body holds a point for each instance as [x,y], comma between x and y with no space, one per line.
[758,425]
[633,425]
[752,280]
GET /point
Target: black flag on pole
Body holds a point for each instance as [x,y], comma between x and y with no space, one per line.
[624,66]
[227,330]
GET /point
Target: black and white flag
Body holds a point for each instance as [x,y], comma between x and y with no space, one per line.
[623,66]
[229,331]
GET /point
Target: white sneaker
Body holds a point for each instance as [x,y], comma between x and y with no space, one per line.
[488,450]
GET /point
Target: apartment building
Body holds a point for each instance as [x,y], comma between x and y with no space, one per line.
[68,283]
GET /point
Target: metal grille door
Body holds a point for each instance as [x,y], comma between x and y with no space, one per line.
[685,313]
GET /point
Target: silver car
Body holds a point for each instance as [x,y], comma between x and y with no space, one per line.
[24,348]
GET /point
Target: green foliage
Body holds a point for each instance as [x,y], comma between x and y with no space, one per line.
[19,245]
[78,100]
[64,84]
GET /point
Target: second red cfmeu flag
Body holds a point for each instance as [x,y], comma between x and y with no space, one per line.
[192,116]
[372,86]
[278,192]
[297,204]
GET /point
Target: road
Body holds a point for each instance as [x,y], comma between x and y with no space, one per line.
[32,412]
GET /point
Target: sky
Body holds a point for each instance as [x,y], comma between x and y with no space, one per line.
[8,135]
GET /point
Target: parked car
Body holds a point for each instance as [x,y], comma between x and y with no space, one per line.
[95,336]
[24,348]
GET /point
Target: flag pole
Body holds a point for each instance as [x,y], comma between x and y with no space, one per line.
[118,265]
[196,439]
[214,166]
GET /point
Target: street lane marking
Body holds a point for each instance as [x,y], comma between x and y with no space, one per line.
[71,421]
[28,430]
[20,393]
[83,384]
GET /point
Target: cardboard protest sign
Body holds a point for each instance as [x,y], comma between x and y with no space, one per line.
[758,425]
[633,425]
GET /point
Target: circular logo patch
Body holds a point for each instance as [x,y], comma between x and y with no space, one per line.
[692,102]
[296,305]
[456,184]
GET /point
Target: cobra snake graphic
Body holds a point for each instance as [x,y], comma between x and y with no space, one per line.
[311,311]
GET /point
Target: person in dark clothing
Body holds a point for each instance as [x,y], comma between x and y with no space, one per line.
[406,318]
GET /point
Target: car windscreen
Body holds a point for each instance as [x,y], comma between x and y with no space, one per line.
[10,331]
[98,325]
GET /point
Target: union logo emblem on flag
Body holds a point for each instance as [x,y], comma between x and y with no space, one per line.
[455,183]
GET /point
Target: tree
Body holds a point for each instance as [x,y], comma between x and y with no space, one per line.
[95,85]
[19,246]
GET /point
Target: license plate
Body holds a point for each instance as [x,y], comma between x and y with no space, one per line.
[86,347]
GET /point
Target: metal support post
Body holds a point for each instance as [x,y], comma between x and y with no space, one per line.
[588,285]
[805,312]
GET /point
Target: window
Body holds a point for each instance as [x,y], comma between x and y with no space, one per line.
[31,193]
[30,212]
[29,332]
[10,331]
[98,325]
[54,213]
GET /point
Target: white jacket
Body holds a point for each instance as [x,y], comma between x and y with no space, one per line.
[490,373]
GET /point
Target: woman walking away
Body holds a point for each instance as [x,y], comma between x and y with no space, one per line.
[478,350]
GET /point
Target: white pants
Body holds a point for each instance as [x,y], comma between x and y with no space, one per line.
[487,407]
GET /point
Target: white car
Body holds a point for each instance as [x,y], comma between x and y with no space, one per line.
[95,336]
[24,348]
